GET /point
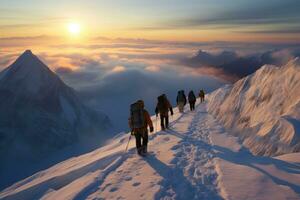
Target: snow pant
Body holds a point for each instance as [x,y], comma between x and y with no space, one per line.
[140,135]
[192,105]
[164,121]
[201,99]
[180,106]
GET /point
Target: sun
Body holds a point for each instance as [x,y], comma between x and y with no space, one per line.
[74,28]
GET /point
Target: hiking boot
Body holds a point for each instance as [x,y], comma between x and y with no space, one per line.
[144,150]
[140,151]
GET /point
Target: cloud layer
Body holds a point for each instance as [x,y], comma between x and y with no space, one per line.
[112,73]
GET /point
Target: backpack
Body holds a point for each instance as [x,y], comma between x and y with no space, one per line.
[180,97]
[137,115]
[202,93]
[192,97]
[162,104]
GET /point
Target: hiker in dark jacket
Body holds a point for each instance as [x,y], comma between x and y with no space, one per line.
[181,100]
[163,106]
[192,100]
[139,121]
[201,95]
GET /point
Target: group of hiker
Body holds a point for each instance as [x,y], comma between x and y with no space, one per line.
[140,120]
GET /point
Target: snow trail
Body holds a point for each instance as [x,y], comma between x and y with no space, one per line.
[194,155]
[195,159]
[179,166]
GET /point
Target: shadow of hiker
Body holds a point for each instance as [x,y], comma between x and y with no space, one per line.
[244,157]
[173,183]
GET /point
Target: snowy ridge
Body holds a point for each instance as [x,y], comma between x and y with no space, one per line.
[196,159]
[263,109]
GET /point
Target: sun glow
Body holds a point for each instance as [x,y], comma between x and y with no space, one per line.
[74,28]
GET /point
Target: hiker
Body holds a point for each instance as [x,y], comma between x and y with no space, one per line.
[138,121]
[201,95]
[192,100]
[181,100]
[163,106]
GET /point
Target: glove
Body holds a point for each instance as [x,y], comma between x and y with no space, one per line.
[151,129]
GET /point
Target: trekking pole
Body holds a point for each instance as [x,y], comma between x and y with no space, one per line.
[155,125]
[128,141]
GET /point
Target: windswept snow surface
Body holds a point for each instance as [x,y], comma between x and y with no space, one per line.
[195,159]
[263,109]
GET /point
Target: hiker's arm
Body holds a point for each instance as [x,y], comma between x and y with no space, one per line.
[148,119]
[130,123]
[170,107]
[171,110]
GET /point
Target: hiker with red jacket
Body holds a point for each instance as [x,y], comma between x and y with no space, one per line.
[139,121]
[181,100]
[192,100]
[163,106]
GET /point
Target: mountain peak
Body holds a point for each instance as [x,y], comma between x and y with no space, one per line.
[28,73]
[27,52]
[28,57]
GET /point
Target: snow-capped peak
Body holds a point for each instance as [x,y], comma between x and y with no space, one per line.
[28,74]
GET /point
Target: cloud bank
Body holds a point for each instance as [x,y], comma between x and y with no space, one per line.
[111,73]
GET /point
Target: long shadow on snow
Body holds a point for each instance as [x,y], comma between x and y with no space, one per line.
[244,157]
[38,190]
[173,178]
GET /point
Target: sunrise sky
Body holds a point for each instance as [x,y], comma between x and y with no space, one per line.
[193,20]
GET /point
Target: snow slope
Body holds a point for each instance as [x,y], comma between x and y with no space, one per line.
[196,159]
[263,109]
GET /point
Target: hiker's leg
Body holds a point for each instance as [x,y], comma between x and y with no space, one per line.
[167,121]
[191,106]
[182,107]
[162,125]
[145,141]
[138,141]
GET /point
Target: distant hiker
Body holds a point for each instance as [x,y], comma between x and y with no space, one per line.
[181,100]
[192,100]
[201,95]
[138,121]
[163,106]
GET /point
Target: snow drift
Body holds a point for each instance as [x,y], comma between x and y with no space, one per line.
[263,109]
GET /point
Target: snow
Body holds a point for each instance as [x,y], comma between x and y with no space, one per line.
[196,159]
[3,73]
[68,111]
[262,109]
[31,72]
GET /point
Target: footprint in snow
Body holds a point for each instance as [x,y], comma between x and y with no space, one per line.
[136,184]
[128,178]
[113,189]
[175,147]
